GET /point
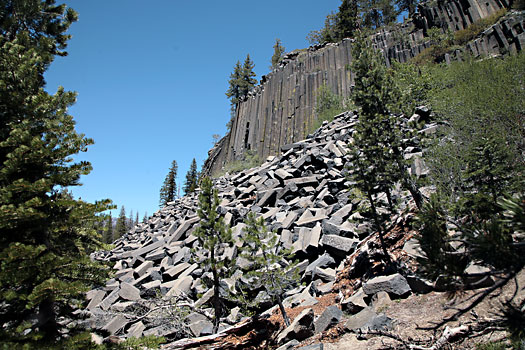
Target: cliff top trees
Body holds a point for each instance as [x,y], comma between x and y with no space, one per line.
[355,14]
[168,191]
[278,51]
[242,80]
[46,234]
[347,19]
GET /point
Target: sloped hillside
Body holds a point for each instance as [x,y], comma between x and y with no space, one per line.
[303,195]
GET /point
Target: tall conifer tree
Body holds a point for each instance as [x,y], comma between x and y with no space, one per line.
[191,183]
[168,191]
[46,233]
[376,152]
[348,19]
[121,226]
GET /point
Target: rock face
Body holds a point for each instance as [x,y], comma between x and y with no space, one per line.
[280,111]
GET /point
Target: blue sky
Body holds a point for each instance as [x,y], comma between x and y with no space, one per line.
[151,78]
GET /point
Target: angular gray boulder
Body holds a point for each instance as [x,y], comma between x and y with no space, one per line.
[394,284]
[301,328]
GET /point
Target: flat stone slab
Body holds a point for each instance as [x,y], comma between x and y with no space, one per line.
[340,246]
[393,284]
[367,319]
[118,322]
[129,292]
[330,316]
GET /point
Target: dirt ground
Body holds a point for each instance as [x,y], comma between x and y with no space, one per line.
[425,310]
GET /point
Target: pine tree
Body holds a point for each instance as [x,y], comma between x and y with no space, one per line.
[46,234]
[268,264]
[348,19]
[191,183]
[137,218]
[247,76]
[407,5]
[234,90]
[168,191]
[278,51]
[214,235]
[121,227]
[109,230]
[129,221]
[145,218]
[376,152]
[376,13]
[327,34]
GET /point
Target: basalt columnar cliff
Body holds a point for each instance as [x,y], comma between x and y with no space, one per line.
[280,110]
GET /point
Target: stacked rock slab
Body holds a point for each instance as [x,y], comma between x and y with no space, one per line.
[303,195]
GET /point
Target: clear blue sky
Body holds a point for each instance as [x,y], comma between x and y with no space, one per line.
[151,78]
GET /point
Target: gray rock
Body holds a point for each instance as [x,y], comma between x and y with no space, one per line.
[117,323]
[419,285]
[136,330]
[110,299]
[301,328]
[355,302]
[476,276]
[339,246]
[381,301]
[319,346]
[330,316]
[290,345]
[393,284]
[96,299]
[201,328]
[324,260]
[181,286]
[367,319]
[129,292]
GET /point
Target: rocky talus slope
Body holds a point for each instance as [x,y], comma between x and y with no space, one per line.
[305,197]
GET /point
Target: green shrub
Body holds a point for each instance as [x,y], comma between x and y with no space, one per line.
[327,106]
[250,160]
[461,37]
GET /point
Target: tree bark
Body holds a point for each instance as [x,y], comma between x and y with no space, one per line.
[283,311]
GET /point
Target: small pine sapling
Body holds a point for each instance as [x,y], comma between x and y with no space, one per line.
[214,235]
[268,265]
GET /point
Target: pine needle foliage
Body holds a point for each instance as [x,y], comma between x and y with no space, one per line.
[168,191]
[192,178]
[376,150]
[214,236]
[46,234]
[267,257]
[278,51]
[476,165]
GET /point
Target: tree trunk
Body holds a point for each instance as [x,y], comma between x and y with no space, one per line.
[283,311]
[47,319]
[216,294]
[379,227]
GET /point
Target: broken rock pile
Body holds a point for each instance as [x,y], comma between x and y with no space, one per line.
[303,195]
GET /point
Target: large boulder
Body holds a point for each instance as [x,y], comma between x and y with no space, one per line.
[301,328]
[330,316]
[368,320]
[394,284]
